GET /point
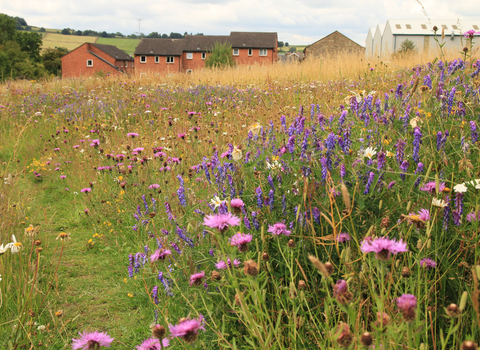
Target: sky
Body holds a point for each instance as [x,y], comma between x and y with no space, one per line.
[298,22]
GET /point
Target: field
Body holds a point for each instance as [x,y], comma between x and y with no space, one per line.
[70,42]
[127,45]
[331,204]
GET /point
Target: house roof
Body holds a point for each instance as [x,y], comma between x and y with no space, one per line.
[203,43]
[425,27]
[113,52]
[335,32]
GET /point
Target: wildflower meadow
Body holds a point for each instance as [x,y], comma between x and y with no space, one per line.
[301,206]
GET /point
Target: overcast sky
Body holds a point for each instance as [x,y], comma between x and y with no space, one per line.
[295,21]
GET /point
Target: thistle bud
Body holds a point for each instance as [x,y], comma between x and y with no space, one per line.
[291,244]
[158,331]
[469,345]
[31,313]
[366,339]
[406,272]
[453,310]
[329,267]
[250,268]
[345,338]
[216,276]
[383,320]
[302,285]
[265,257]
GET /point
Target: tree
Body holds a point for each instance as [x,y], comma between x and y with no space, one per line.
[286,44]
[21,21]
[31,43]
[176,36]
[280,44]
[78,32]
[220,57]
[42,30]
[292,49]
[66,31]
[164,36]
[104,34]
[14,63]
[154,35]
[406,47]
[7,29]
[119,34]
[52,59]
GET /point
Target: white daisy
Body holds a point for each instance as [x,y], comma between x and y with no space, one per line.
[440,203]
[15,246]
[215,201]
[369,152]
[460,188]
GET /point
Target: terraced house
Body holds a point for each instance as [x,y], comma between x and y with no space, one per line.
[161,56]
[90,58]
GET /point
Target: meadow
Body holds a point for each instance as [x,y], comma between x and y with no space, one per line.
[331,204]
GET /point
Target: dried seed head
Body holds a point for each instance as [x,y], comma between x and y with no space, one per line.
[346,196]
[31,313]
[216,276]
[406,272]
[469,345]
[318,264]
[453,310]
[302,285]
[37,242]
[329,267]
[250,268]
[345,338]
[385,222]
[265,257]
[158,331]
[366,339]
[383,320]
[291,243]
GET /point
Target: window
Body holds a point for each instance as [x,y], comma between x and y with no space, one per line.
[398,26]
[204,55]
[262,52]
[121,64]
[408,26]
[89,63]
[170,59]
[143,59]
[235,52]
[189,71]
[424,26]
[250,52]
[189,55]
[157,59]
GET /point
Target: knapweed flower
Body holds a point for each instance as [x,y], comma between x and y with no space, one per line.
[241,241]
[222,265]
[439,203]
[196,278]
[132,134]
[341,293]
[369,152]
[221,222]
[153,344]
[472,217]
[153,186]
[237,205]
[407,304]
[187,329]
[428,263]
[86,190]
[383,247]
[92,341]
[431,187]
[279,228]
[160,254]
[343,237]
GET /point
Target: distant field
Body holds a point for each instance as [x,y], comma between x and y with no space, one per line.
[127,45]
[48,30]
[285,49]
[70,42]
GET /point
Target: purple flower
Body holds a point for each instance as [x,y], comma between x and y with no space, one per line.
[343,237]
[160,254]
[132,134]
[430,187]
[383,247]
[407,304]
[187,329]
[221,222]
[222,265]
[259,193]
[153,186]
[279,228]
[196,278]
[237,203]
[428,263]
[472,217]
[91,340]
[86,190]
[153,344]
[241,241]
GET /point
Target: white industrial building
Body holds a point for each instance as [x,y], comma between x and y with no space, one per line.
[389,38]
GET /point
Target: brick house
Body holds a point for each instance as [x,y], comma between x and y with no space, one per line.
[162,56]
[90,58]
[333,44]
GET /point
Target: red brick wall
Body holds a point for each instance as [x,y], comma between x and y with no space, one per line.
[195,64]
[161,67]
[243,57]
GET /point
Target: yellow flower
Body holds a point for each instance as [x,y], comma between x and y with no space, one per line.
[96,235]
[63,236]
[130,295]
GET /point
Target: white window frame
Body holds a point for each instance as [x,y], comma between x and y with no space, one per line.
[237,52]
[143,59]
[121,64]
[262,52]
[157,59]
[172,59]
[89,63]
[189,56]
[250,52]
[204,55]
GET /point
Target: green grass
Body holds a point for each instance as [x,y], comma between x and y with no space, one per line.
[70,42]
[127,45]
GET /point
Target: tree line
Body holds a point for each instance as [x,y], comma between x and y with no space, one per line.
[21,54]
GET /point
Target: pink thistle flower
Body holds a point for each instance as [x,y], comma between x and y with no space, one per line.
[132,134]
[196,278]
[431,187]
[153,186]
[383,247]
[138,149]
[222,265]
[63,176]
[407,304]
[153,344]
[472,217]
[91,340]
[181,135]
[428,263]
[221,222]
[241,241]
[237,203]
[279,228]
[95,143]
[86,190]
[187,329]
[160,254]
[343,237]
[341,293]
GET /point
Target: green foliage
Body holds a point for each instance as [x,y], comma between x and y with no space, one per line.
[286,44]
[30,43]
[51,59]
[407,47]
[66,31]
[42,30]
[292,49]
[7,28]
[15,63]
[280,44]
[220,57]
